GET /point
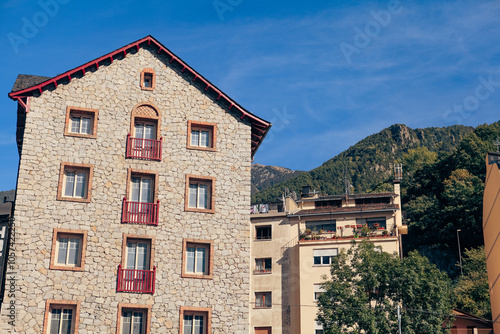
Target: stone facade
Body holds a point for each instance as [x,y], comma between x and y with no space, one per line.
[115,90]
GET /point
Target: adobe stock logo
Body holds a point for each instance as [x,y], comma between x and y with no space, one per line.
[461,111]
[363,38]
[223,6]
[40,19]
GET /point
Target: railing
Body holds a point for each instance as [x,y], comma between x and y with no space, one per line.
[140,281]
[140,213]
[139,148]
[262,271]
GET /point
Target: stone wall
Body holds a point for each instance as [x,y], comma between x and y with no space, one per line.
[114,90]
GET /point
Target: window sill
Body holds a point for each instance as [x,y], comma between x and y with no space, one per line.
[262,307]
[201,148]
[188,209]
[188,275]
[80,135]
[74,199]
[322,265]
[258,272]
[58,267]
[270,239]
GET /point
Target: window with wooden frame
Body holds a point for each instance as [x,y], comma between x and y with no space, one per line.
[263,266]
[144,140]
[68,250]
[75,182]
[136,273]
[61,317]
[141,203]
[197,258]
[263,299]
[148,79]
[195,320]
[202,136]
[81,122]
[133,319]
[200,191]
[263,330]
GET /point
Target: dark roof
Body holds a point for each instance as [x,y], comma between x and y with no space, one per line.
[24,81]
[259,126]
[348,209]
[337,197]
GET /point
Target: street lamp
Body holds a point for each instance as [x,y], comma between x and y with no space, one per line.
[459,252]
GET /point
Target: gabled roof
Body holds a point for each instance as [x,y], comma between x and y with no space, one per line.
[26,85]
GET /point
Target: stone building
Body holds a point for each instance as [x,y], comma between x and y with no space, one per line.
[491,232]
[132,200]
[293,244]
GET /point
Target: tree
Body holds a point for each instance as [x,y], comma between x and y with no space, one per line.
[367,284]
[472,292]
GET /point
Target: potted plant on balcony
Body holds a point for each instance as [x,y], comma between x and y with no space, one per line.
[365,230]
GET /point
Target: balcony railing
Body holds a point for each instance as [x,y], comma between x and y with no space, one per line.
[139,148]
[140,281]
[140,213]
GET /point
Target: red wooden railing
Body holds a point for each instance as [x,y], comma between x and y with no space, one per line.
[139,148]
[131,280]
[140,213]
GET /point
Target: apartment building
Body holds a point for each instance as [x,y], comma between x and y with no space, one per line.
[294,242]
[491,231]
[132,199]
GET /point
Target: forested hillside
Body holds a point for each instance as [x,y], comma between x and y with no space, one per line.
[368,162]
[266,176]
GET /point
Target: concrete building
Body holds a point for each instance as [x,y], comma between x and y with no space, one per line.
[132,199]
[491,231]
[294,242]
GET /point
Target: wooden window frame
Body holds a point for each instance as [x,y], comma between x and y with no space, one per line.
[144,308]
[149,239]
[263,293]
[210,263]
[66,166]
[93,113]
[212,127]
[145,71]
[205,311]
[137,115]
[56,304]
[263,272]
[54,253]
[200,179]
[154,175]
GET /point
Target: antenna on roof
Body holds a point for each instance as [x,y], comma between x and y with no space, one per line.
[398,171]
[347,183]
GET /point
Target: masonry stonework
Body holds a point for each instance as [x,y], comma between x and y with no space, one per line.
[114,90]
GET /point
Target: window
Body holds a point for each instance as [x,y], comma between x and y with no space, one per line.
[144,140]
[197,258]
[325,225]
[61,317]
[141,205]
[324,256]
[195,320]
[263,266]
[201,136]
[148,79]
[68,250]
[263,299]
[263,330]
[318,291]
[133,319]
[263,232]
[376,223]
[200,194]
[75,182]
[81,122]
[136,273]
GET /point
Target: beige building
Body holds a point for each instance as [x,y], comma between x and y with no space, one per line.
[293,244]
[132,200]
[491,231]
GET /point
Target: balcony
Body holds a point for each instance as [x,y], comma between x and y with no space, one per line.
[140,213]
[148,149]
[138,281]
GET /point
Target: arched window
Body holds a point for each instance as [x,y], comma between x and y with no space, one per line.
[144,140]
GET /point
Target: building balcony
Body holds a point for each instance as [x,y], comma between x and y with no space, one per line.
[140,213]
[138,281]
[147,149]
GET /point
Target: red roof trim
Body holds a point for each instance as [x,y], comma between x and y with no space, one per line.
[256,122]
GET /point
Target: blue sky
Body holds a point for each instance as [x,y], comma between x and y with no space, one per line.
[326,74]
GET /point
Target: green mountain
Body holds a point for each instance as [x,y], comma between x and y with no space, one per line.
[368,162]
[264,177]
